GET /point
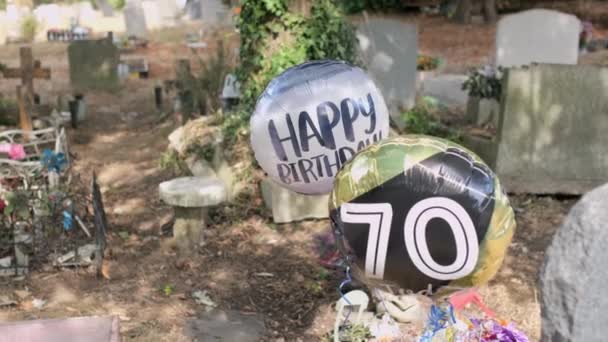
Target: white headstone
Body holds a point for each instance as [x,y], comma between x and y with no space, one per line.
[135,20]
[105,7]
[86,13]
[537,36]
[390,51]
[152,14]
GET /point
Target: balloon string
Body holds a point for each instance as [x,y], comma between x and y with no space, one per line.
[346,281]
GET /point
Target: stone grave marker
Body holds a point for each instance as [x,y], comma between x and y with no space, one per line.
[389,50]
[551,135]
[105,7]
[152,14]
[93,329]
[288,206]
[213,12]
[574,275]
[93,65]
[135,19]
[537,36]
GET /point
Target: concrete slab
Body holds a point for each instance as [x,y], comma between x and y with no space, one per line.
[90,329]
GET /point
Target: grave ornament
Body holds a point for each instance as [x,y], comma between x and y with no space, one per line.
[312,119]
[417,211]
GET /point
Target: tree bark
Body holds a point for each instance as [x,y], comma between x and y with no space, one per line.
[489,11]
[463,12]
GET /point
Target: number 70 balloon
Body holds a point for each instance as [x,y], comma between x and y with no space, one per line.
[415,210]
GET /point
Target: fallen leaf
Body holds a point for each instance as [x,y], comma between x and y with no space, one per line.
[105,269]
[22,294]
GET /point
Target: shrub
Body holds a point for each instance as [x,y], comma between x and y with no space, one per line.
[485,83]
[29,27]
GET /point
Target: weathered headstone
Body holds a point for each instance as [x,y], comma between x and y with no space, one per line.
[86,13]
[213,12]
[390,52]
[135,19]
[152,14]
[288,206]
[574,275]
[551,135]
[93,64]
[537,36]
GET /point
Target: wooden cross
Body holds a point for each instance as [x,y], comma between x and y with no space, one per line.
[28,70]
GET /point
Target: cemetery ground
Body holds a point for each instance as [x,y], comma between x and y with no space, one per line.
[247,264]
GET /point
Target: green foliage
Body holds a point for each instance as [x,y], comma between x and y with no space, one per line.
[17,205]
[485,83]
[8,112]
[351,333]
[171,161]
[202,152]
[201,91]
[325,34]
[29,27]
[356,6]
[423,119]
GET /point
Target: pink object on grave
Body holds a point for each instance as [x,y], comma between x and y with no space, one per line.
[461,299]
[89,329]
[14,151]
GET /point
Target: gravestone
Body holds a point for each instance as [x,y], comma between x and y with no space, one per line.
[389,50]
[86,13]
[551,135]
[537,36]
[105,7]
[93,65]
[574,274]
[152,14]
[213,12]
[135,19]
[288,206]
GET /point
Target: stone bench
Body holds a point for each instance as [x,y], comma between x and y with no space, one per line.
[191,197]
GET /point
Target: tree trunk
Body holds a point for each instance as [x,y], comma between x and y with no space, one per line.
[489,11]
[463,12]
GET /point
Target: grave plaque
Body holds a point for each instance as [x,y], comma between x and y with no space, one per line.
[93,65]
